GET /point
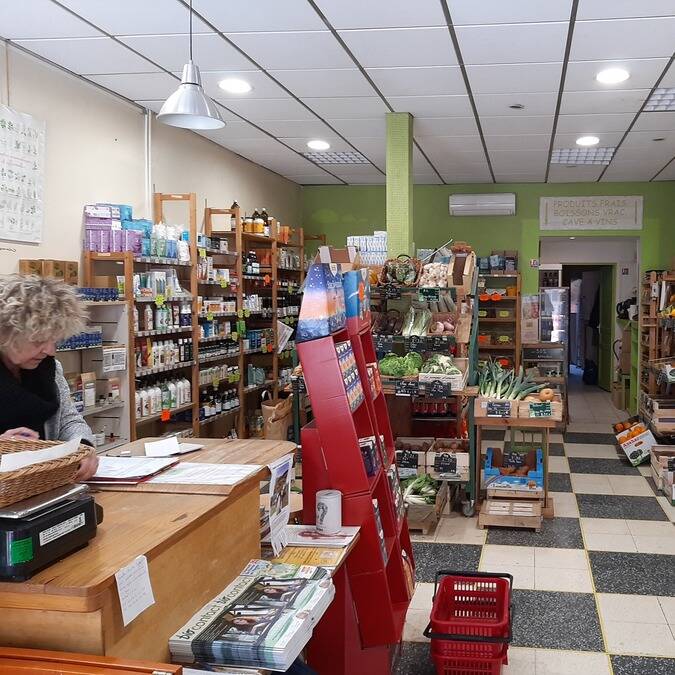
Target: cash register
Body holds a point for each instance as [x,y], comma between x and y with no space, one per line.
[39,531]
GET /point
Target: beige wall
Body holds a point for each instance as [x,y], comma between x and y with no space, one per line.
[95,152]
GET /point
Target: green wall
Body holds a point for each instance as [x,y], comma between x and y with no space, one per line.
[359,209]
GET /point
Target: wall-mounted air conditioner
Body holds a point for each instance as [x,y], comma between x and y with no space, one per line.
[500,204]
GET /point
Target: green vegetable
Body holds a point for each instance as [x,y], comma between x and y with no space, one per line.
[440,363]
[401,366]
[495,382]
[420,490]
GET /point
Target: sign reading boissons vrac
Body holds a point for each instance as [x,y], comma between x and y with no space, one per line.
[590,213]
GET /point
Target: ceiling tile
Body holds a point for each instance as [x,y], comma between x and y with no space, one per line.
[657,155]
[270,109]
[335,82]
[382,13]
[568,140]
[296,128]
[371,179]
[130,17]
[513,43]
[293,51]
[518,142]
[426,179]
[211,52]
[400,47]
[667,172]
[643,74]
[260,15]
[139,86]
[620,101]
[510,77]
[19,20]
[452,144]
[251,145]
[521,161]
[324,179]
[669,78]
[375,149]
[420,162]
[592,124]
[86,56]
[353,169]
[459,162]
[559,173]
[418,81]
[444,126]
[355,107]
[432,106]
[365,128]
[299,143]
[460,177]
[616,9]
[628,172]
[623,39]
[235,130]
[263,85]
[498,11]
[528,177]
[156,105]
[283,161]
[644,141]
[655,121]
[498,104]
[517,124]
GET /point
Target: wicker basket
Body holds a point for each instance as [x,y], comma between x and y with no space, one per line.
[15,486]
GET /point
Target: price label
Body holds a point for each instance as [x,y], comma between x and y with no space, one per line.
[392,292]
[407,388]
[441,342]
[224,283]
[240,313]
[209,316]
[234,336]
[202,252]
[383,344]
[498,408]
[407,462]
[247,313]
[417,343]
[542,409]
[160,300]
[165,416]
[514,459]
[429,295]
[438,389]
[445,462]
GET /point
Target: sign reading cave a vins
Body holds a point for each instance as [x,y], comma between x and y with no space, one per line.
[590,213]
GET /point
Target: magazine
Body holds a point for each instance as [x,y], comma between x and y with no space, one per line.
[308,535]
[263,619]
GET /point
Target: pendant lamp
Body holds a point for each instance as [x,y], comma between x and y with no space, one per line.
[189,107]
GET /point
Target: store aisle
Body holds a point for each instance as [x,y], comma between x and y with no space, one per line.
[590,407]
[594,590]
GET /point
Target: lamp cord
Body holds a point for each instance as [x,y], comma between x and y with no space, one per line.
[190,30]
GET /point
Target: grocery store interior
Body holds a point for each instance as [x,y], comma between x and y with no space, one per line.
[337,337]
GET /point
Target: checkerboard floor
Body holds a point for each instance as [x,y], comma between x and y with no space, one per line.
[594,591]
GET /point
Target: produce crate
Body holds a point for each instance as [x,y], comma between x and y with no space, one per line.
[456,450]
[457,382]
[480,407]
[423,518]
[636,441]
[520,513]
[411,455]
[659,462]
[535,409]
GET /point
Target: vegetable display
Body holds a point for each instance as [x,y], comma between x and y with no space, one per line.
[416,321]
[497,382]
[420,490]
[401,271]
[401,366]
[442,364]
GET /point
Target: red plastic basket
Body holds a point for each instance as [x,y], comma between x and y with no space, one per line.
[470,621]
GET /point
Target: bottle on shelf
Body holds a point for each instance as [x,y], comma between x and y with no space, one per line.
[233,218]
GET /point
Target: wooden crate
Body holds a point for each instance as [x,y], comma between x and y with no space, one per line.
[524,408]
[511,513]
[480,406]
[424,518]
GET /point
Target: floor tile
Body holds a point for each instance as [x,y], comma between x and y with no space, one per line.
[640,608]
[619,506]
[668,609]
[555,533]
[456,529]
[560,662]
[559,482]
[668,509]
[633,573]
[635,486]
[564,504]
[652,485]
[429,558]
[651,544]
[556,449]
[566,580]
[561,558]
[605,525]
[415,659]
[507,555]
[601,466]
[590,483]
[630,637]
[600,541]
[416,621]
[423,596]
[589,438]
[558,465]
[521,662]
[590,451]
[577,426]
[556,621]
[645,469]
[555,437]
[650,528]
[641,665]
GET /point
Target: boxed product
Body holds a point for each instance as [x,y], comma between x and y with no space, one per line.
[635,440]
[322,311]
[669,483]
[54,268]
[30,267]
[72,273]
[88,381]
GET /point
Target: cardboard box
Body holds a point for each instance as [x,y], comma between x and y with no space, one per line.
[348,258]
[72,273]
[624,358]
[637,446]
[30,267]
[659,463]
[54,268]
[618,395]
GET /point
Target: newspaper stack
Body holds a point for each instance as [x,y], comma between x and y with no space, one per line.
[263,619]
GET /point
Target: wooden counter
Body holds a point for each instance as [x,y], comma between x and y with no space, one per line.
[195,545]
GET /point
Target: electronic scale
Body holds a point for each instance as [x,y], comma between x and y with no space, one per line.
[39,531]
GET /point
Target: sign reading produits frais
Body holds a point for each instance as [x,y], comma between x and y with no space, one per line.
[590,213]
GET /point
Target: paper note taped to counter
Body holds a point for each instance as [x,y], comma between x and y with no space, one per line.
[134,589]
[192,473]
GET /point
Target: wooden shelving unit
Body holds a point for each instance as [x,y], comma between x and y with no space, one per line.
[648,333]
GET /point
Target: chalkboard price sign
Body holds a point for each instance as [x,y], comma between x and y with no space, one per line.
[407,388]
[429,295]
[542,409]
[498,408]
[514,459]
[392,292]
[407,462]
[438,389]
[442,342]
[417,343]
[445,462]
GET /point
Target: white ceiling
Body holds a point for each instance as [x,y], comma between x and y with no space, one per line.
[332,69]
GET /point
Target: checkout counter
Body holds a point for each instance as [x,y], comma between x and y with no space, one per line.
[196,538]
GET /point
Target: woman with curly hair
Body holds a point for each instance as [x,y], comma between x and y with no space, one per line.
[35,401]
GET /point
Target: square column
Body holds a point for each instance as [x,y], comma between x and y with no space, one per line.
[399,183]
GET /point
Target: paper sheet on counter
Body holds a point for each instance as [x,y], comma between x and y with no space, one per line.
[192,473]
[11,461]
[129,468]
[166,447]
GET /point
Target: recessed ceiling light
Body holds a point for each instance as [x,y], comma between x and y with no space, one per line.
[612,76]
[579,156]
[586,141]
[661,99]
[232,85]
[661,138]
[333,157]
[517,106]
[318,145]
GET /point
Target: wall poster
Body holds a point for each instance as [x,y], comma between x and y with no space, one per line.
[590,213]
[22,156]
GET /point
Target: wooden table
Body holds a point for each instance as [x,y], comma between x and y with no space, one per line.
[195,543]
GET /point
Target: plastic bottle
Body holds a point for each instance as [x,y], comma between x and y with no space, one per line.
[157,399]
[138,404]
[146,405]
[166,396]
[233,218]
[136,320]
[148,322]
[173,394]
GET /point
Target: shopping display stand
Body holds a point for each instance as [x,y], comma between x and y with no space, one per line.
[515,510]
[377,583]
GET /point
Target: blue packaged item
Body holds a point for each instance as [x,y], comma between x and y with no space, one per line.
[357,294]
[145,246]
[496,459]
[322,311]
[142,224]
[125,212]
